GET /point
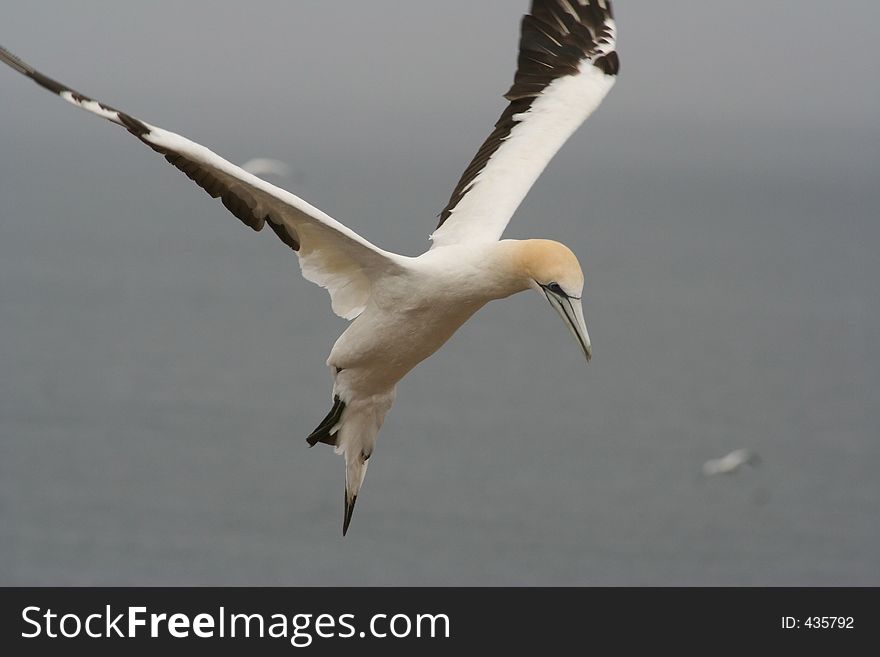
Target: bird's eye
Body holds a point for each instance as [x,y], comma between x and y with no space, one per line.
[556,289]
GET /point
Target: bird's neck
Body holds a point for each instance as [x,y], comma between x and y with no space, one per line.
[506,268]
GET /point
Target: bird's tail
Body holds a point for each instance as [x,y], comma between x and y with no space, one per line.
[355,472]
[352,427]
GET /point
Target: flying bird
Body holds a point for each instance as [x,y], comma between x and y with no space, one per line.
[403,309]
[265,166]
[731,463]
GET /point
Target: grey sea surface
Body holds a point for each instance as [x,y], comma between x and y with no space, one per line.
[161,365]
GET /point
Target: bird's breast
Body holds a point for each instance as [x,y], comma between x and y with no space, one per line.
[398,331]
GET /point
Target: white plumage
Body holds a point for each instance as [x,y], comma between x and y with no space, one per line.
[730,463]
[402,308]
[539,133]
[266,166]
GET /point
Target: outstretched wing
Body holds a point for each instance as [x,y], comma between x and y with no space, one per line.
[330,254]
[567,65]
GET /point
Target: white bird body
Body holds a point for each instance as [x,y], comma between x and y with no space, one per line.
[414,310]
[403,309]
[410,315]
[731,463]
[266,166]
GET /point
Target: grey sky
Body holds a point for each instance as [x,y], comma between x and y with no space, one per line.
[781,86]
[796,60]
[799,61]
[162,365]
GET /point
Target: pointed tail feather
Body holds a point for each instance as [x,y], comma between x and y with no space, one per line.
[355,471]
[354,435]
[349,509]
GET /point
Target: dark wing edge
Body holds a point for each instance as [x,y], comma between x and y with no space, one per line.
[238,197]
[556,37]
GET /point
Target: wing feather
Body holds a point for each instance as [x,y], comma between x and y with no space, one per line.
[567,65]
[330,254]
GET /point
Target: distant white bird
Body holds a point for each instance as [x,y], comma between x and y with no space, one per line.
[731,463]
[403,308]
[265,166]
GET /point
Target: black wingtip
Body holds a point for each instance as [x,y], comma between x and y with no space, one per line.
[13,61]
[26,69]
[349,509]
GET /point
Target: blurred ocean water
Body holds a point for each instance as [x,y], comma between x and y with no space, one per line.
[160,365]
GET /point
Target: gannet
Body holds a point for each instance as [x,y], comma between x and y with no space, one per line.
[266,166]
[731,463]
[402,309]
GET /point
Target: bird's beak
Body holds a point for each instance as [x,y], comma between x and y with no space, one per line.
[572,312]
